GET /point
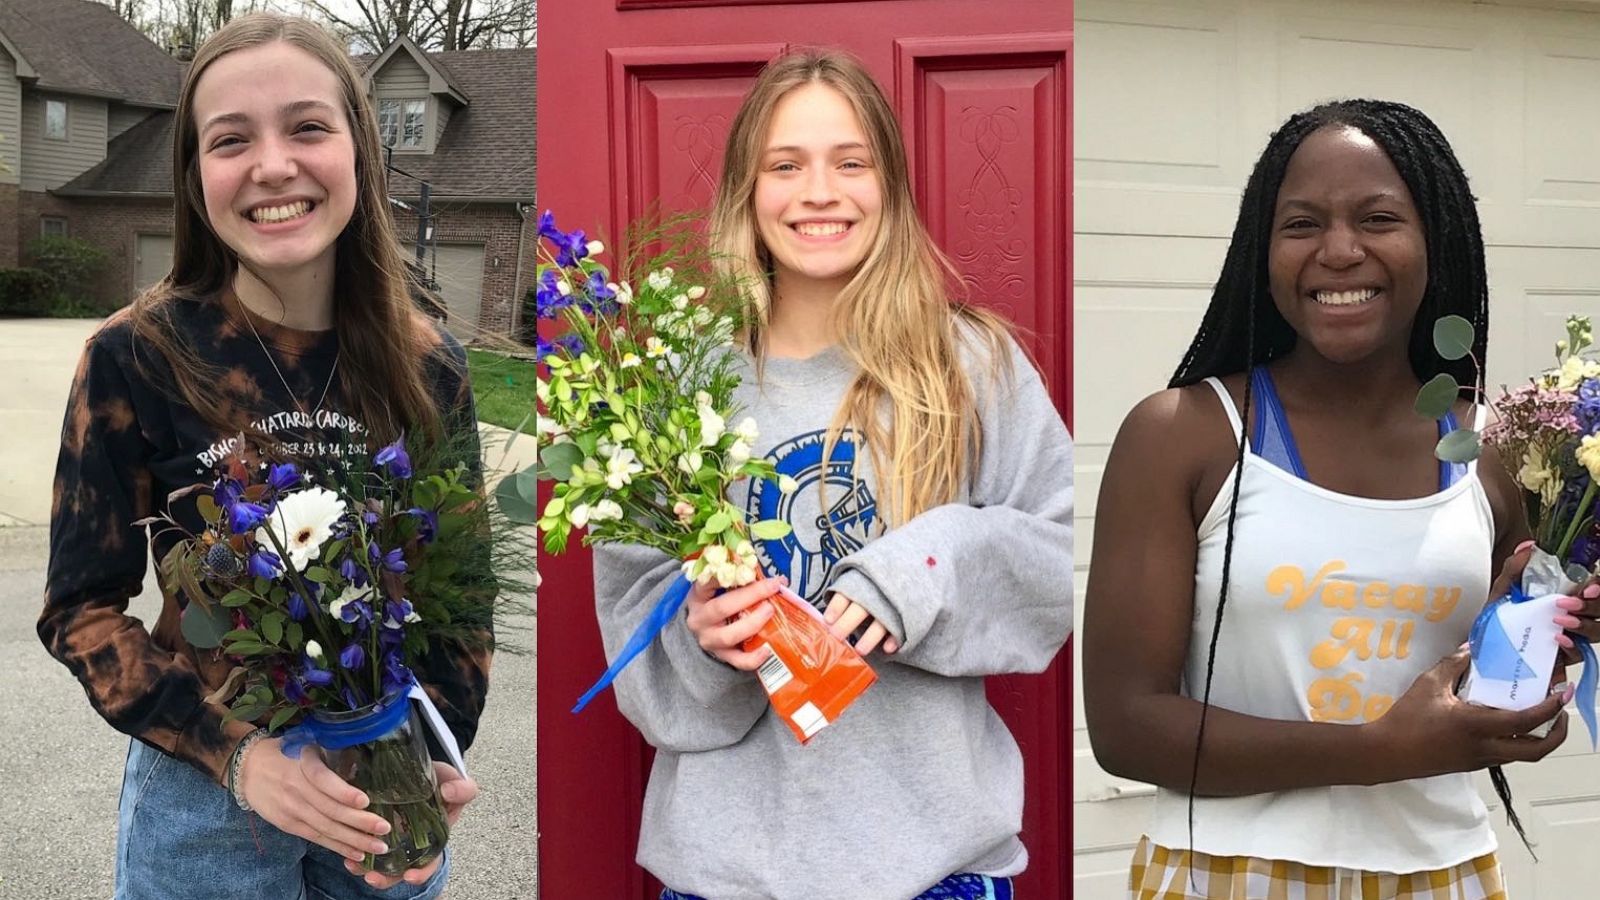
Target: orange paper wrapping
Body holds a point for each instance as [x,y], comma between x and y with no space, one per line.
[811,676]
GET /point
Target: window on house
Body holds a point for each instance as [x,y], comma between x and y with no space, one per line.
[402,123]
[52,226]
[55,119]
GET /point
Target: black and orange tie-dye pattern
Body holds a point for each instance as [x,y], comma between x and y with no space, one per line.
[127,443]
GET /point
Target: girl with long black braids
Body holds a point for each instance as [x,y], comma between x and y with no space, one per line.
[1279,559]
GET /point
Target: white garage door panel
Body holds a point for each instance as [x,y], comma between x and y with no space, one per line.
[459,271]
[1174,103]
[152,259]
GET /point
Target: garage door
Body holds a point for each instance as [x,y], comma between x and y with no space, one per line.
[460,276]
[152,259]
[1174,102]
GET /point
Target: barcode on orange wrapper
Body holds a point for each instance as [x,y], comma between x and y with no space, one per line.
[774,674]
[809,719]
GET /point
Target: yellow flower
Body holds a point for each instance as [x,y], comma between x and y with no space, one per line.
[1539,476]
[1589,455]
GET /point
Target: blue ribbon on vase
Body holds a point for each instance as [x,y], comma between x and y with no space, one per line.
[1496,657]
[660,614]
[386,715]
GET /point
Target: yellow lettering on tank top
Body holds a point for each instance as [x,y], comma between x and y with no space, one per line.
[1358,642]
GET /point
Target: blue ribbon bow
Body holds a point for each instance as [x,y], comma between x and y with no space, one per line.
[386,716]
[660,614]
[1497,657]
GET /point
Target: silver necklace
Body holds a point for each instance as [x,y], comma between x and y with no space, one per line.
[284,381]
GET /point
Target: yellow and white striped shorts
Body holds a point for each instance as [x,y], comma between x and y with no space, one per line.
[1162,874]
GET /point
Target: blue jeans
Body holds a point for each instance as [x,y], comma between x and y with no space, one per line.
[956,887]
[180,836]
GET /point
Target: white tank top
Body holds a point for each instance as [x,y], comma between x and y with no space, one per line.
[1337,604]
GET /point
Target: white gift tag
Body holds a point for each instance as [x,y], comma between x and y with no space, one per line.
[430,715]
[1532,633]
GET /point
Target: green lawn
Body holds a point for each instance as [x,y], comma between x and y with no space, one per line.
[503,387]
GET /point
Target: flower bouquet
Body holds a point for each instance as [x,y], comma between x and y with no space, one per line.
[326,596]
[1547,433]
[634,407]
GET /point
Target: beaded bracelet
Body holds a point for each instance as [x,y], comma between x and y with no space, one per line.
[236,767]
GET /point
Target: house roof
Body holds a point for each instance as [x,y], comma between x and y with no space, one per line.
[487,147]
[486,151]
[439,77]
[81,47]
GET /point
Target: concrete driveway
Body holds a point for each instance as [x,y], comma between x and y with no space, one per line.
[62,765]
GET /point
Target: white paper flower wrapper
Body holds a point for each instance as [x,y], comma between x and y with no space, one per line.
[1514,639]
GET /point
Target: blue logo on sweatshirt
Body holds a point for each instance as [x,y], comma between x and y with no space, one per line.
[837,511]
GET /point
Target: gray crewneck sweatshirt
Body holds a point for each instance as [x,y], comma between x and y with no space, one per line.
[918,779]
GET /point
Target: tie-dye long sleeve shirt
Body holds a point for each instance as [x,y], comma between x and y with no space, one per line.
[127,443]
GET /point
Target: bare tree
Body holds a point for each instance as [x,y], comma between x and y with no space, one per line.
[431,24]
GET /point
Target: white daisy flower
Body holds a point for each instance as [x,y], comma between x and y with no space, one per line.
[302,522]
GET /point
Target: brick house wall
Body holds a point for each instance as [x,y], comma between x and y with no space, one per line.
[497,227]
[111,225]
[10,216]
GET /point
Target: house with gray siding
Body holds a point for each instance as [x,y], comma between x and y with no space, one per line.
[86,109]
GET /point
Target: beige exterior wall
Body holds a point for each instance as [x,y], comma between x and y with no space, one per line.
[10,121]
[52,163]
[120,118]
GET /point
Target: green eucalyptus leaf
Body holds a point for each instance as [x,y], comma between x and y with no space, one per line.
[1437,396]
[556,461]
[280,717]
[272,626]
[718,523]
[517,496]
[1452,337]
[1459,446]
[204,624]
[235,598]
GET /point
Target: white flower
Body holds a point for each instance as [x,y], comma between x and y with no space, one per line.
[412,616]
[696,292]
[301,523]
[621,468]
[680,302]
[578,515]
[606,511]
[739,452]
[595,248]
[702,316]
[684,510]
[564,287]
[630,359]
[787,484]
[551,430]
[712,426]
[747,430]
[654,347]
[605,448]
[624,292]
[313,649]
[690,463]
[660,281]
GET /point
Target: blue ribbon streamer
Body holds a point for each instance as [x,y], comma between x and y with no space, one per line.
[1496,657]
[386,716]
[662,613]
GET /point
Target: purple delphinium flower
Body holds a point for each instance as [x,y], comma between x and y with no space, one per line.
[352,572]
[265,564]
[570,248]
[352,699]
[547,227]
[428,527]
[1588,407]
[395,673]
[283,477]
[295,691]
[352,656]
[242,515]
[298,610]
[548,299]
[315,676]
[602,298]
[398,610]
[394,560]
[371,518]
[394,459]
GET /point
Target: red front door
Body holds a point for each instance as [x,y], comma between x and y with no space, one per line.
[635,98]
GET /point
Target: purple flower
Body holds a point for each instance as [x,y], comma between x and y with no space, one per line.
[395,674]
[295,691]
[352,699]
[265,564]
[394,560]
[394,458]
[370,517]
[352,656]
[1588,407]
[428,528]
[390,638]
[315,676]
[352,572]
[242,515]
[398,611]
[547,227]
[356,611]
[570,248]
[602,299]
[298,610]
[283,477]
[548,300]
